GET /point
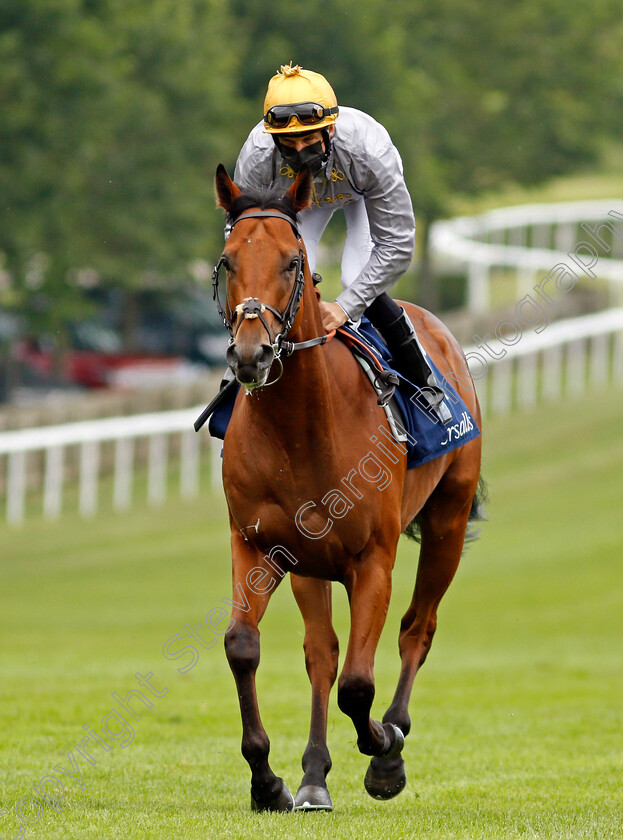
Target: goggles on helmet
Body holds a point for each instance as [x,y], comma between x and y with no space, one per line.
[307,113]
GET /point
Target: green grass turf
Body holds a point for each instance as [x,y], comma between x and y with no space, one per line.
[517,716]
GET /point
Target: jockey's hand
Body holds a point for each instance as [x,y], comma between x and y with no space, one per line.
[333,316]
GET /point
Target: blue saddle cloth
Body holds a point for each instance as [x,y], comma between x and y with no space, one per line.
[427,438]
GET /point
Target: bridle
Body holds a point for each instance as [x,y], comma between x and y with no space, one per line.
[254,308]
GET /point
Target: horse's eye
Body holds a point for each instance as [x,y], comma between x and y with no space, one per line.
[294,264]
[226,264]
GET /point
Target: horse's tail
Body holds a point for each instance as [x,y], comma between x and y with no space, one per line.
[476,514]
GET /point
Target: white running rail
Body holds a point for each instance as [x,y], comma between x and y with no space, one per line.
[565,357]
[123,432]
[531,239]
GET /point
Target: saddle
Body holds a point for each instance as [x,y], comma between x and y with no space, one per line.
[384,381]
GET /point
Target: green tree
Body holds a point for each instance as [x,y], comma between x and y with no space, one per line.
[114,118]
[519,95]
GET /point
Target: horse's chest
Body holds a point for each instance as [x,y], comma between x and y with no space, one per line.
[318,528]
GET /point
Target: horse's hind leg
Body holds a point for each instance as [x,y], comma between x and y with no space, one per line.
[443,524]
[242,646]
[321,655]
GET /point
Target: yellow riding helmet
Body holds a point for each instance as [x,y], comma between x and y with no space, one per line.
[294,86]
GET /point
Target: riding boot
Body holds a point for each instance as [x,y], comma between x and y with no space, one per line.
[408,355]
[410,360]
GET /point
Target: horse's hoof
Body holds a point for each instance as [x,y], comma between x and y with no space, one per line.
[283,801]
[397,740]
[313,798]
[385,777]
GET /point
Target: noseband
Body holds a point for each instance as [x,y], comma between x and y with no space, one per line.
[253,308]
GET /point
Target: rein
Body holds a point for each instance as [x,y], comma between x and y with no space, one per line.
[253,308]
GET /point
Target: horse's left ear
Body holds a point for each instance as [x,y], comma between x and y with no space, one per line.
[301,190]
[226,191]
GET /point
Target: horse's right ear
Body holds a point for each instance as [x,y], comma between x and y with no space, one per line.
[226,191]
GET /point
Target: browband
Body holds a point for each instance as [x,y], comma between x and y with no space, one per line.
[268,214]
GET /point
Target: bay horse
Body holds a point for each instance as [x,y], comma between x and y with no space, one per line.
[297,503]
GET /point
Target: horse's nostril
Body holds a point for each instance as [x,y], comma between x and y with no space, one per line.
[250,363]
[231,356]
[264,356]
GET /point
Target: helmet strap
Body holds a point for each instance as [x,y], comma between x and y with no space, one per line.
[327,143]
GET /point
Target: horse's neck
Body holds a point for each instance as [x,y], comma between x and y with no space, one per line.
[306,381]
[300,407]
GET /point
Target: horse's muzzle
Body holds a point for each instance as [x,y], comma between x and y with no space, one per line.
[251,365]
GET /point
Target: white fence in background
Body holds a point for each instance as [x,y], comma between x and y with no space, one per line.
[532,239]
[566,357]
[89,437]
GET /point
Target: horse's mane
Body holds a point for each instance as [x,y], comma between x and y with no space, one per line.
[264,200]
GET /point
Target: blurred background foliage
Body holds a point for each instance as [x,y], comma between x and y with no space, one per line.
[115,115]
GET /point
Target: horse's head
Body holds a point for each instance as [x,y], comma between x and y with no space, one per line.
[264,265]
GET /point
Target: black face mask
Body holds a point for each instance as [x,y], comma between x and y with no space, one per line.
[314,156]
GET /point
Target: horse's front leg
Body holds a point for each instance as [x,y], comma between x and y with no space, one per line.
[321,653]
[253,584]
[369,589]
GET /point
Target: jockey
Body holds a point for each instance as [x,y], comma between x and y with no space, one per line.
[357,169]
